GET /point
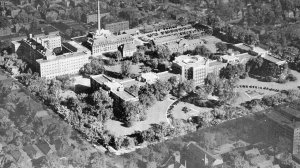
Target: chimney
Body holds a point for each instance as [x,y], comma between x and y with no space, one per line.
[99,17]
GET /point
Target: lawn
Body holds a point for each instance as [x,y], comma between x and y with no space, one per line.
[155,115]
[288,85]
[247,94]
[194,110]
[211,43]
[67,94]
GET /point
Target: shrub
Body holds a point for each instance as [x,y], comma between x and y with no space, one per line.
[291,77]
[282,80]
[185,109]
[129,123]
[270,79]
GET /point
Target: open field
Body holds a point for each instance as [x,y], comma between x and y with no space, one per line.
[155,115]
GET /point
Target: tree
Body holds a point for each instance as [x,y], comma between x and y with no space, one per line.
[146,96]
[133,89]
[154,63]
[188,86]
[137,57]
[163,52]
[202,50]
[4,22]
[126,68]
[239,161]
[161,89]
[133,112]
[102,105]
[94,68]
[201,93]
[117,55]
[210,140]
[221,47]
[97,160]
[211,79]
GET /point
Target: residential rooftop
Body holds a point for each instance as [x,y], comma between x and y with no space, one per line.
[283,121]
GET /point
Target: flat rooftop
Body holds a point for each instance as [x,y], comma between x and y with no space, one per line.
[243,46]
[164,76]
[274,60]
[101,79]
[125,95]
[190,60]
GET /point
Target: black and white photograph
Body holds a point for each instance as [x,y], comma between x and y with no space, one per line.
[149,83]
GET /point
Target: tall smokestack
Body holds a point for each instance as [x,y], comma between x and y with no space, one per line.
[99,17]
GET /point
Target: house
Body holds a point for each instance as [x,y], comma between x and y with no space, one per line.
[114,88]
[174,161]
[252,153]
[30,151]
[16,154]
[117,26]
[44,146]
[197,156]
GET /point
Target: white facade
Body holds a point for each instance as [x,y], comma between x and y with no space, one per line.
[62,65]
[50,42]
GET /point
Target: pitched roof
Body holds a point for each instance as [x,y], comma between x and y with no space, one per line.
[44,146]
[252,152]
[29,149]
[201,152]
[16,154]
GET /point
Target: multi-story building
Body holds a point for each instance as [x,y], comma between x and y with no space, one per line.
[50,41]
[196,68]
[5,31]
[117,26]
[103,41]
[3,3]
[48,64]
[93,17]
[115,89]
[127,50]
[183,45]
[107,43]
[284,121]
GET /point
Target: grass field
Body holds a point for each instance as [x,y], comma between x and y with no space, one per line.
[194,110]
[155,115]
[288,85]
